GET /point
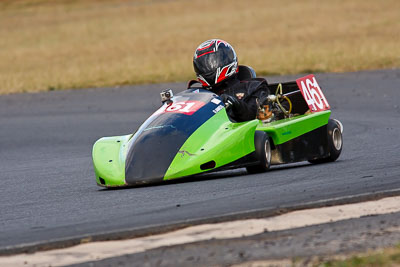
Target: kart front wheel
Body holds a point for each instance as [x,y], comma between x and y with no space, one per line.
[262,152]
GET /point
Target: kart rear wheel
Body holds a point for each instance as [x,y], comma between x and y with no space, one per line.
[335,142]
[263,153]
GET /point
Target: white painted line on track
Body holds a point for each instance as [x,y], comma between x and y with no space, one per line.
[241,228]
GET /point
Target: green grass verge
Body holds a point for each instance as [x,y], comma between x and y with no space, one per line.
[386,257]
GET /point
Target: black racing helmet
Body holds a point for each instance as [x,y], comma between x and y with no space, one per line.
[214,61]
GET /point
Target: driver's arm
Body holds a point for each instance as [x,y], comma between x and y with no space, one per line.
[242,111]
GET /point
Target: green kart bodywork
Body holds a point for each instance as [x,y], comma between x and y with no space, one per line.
[216,144]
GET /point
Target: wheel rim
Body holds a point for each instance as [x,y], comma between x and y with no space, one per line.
[337,138]
[267,152]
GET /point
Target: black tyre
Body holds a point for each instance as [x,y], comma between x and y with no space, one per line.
[335,142]
[263,153]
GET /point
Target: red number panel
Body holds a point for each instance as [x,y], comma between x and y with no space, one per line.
[184,107]
[312,93]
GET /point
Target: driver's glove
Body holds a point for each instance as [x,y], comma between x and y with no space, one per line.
[231,102]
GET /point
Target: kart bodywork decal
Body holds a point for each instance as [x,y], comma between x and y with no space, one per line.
[183,107]
[182,152]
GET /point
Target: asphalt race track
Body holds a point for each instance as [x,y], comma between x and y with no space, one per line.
[49,192]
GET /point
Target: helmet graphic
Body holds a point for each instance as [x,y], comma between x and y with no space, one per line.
[214,61]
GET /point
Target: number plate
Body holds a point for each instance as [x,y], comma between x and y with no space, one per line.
[184,107]
[312,93]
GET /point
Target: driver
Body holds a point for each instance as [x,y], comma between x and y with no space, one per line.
[216,67]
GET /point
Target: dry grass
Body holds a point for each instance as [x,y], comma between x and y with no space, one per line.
[387,257]
[56,44]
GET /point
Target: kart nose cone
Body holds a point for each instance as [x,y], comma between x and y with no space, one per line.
[151,154]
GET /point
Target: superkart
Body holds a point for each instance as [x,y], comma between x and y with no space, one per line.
[191,133]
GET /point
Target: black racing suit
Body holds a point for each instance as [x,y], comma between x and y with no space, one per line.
[246,94]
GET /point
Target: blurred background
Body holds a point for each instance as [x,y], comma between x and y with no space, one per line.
[49,45]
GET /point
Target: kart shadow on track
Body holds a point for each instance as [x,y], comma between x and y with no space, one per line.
[191,179]
[227,174]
